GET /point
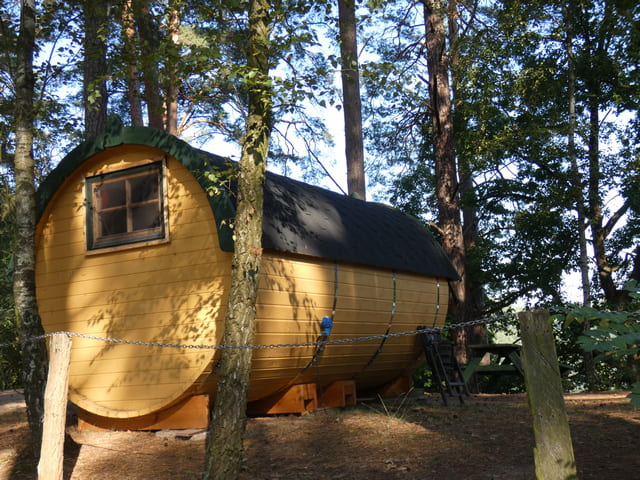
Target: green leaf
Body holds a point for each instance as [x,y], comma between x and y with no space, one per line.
[635,395]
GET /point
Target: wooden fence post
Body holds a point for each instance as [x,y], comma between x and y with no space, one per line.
[50,466]
[553,453]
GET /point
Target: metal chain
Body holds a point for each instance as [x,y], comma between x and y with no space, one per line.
[255,347]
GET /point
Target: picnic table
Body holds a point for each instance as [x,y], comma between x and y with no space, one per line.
[507,360]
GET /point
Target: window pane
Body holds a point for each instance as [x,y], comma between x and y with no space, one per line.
[125,207]
[145,217]
[113,222]
[111,194]
[144,188]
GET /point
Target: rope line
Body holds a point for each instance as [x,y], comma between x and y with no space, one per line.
[320,343]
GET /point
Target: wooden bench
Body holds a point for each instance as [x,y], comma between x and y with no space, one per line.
[497,370]
[507,362]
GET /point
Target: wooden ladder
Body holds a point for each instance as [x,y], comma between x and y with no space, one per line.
[445,368]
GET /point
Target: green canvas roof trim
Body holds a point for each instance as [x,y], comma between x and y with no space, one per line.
[298,218]
[195,161]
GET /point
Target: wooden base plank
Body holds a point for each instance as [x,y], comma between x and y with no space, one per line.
[339,394]
[192,412]
[400,386]
[296,399]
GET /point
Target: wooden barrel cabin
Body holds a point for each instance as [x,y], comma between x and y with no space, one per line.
[134,242]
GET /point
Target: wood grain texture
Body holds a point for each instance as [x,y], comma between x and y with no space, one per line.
[173,293]
[553,453]
[55,409]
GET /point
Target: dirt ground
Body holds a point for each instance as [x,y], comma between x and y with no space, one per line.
[489,437]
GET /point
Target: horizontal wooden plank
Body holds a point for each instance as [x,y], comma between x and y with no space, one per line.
[281,326]
[106,305]
[164,308]
[168,282]
[310,300]
[58,252]
[293,285]
[132,399]
[497,370]
[107,379]
[96,351]
[166,260]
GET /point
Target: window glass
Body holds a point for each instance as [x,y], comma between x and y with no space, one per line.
[125,207]
[144,188]
[112,223]
[146,216]
[111,194]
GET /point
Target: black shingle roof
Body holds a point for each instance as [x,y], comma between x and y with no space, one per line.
[308,220]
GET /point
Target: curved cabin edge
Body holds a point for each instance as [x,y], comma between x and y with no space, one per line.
[164,290]
[133,242]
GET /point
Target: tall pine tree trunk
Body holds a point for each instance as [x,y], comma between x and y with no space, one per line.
[583,262]
[446,170]
[228,420]
[351,102]
[94,67]
[131,58]
[171,86]
[29,325]
[474,290]
[147,31]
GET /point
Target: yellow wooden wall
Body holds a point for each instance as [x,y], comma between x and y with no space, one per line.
[173,292]
[176,292]
[296,292]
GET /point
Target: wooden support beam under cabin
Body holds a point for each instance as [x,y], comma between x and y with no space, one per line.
[192,412]
[400,386]
[338,394]
[296,399]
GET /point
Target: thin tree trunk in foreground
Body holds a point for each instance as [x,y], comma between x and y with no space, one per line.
[228,420]
[24,289]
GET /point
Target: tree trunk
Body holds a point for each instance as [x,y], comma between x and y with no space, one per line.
[29,325]
[599,230]
[352,107]
[474,291]
[583,262]
[131,54]
[147,31]
[447,186]
[94,92]
[228,420]
[171,88]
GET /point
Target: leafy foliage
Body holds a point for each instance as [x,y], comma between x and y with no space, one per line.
[614,336]
[9,356]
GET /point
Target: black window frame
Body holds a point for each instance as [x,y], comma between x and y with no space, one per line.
[129,238]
